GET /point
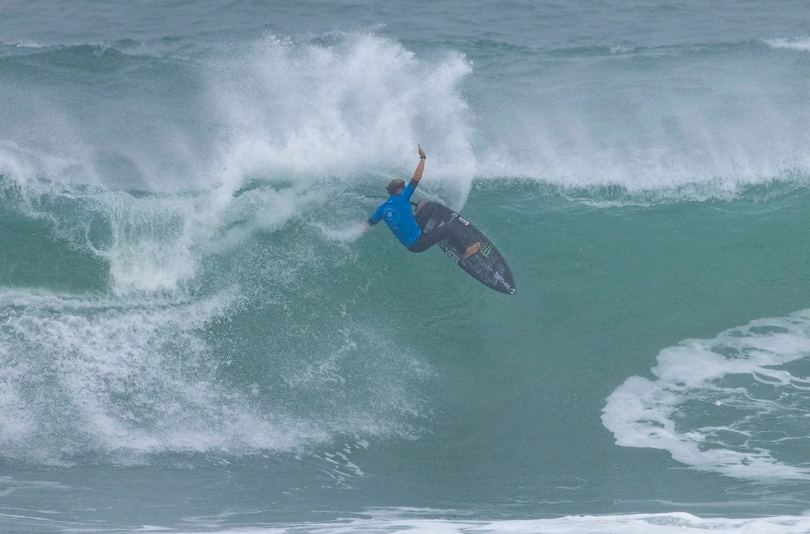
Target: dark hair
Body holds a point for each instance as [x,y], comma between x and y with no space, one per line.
[394,185]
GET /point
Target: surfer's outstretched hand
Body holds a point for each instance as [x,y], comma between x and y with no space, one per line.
[421,152]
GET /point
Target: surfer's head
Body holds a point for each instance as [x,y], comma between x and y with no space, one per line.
[395,186]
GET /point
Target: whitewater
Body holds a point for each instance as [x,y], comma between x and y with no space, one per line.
[196,334]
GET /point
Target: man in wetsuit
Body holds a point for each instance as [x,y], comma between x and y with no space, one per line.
[398,215]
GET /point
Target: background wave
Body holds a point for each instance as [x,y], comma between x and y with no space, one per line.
[698,121]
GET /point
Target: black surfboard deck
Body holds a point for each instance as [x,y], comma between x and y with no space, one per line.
[487,266]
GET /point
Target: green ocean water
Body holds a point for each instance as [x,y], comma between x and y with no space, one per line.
[195,334]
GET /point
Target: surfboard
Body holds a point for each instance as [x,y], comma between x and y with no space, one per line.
[487,266]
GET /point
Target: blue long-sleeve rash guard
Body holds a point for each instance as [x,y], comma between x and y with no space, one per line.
[398,215]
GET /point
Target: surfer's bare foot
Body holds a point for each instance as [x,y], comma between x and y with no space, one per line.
[472,249]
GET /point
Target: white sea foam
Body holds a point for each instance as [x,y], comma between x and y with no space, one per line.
[312,111]
[343,234]
[88,375]
[801,44]
[123,379]
[431,522]
[152,242]
[732,405]
[24,164]
[693,128]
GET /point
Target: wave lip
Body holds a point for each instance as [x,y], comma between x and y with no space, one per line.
[736,405]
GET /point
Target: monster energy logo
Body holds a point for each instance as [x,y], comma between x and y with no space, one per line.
[486,249]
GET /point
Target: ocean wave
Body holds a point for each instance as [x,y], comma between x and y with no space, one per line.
[166,47]
[735,405]
[23,44]
[800,44]
[685,49]
[73,55]
[449,522]
[614,196]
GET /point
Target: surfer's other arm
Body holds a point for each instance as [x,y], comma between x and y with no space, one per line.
[374,219]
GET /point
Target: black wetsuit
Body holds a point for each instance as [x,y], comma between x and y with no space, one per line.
[436,234]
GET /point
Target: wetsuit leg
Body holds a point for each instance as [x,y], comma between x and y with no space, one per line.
[437,234]
[424,214]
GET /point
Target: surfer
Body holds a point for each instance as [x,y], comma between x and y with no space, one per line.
[398,215]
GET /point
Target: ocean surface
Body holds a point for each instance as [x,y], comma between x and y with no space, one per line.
[194,336]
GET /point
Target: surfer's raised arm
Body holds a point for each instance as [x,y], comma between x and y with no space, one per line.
[417,174]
